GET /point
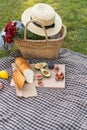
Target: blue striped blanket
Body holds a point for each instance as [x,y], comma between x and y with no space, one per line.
[52,109]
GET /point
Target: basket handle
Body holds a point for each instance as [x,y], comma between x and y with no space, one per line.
[31,21]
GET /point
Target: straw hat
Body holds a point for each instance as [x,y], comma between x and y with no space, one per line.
[44,14]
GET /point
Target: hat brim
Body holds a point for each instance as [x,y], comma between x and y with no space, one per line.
[37,30]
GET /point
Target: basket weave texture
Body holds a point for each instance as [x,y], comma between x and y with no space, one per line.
[48,48]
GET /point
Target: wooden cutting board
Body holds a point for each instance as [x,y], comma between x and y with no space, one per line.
[51,82]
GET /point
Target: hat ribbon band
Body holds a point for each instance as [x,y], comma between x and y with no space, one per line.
[46,27]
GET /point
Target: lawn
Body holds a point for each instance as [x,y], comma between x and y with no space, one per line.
[72,12]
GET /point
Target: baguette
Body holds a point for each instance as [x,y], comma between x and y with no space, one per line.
[18,78]
[25,68]
[20,60]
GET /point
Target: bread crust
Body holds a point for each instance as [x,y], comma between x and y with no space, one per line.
[18,78]
[20,61]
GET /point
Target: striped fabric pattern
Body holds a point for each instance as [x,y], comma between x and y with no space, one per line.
[52,109]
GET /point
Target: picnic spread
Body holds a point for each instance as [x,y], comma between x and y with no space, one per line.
[42,86]
[53,108]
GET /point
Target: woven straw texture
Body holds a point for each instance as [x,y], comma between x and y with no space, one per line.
[48,48]
[53,109]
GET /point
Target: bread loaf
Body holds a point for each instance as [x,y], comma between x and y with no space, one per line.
[20,60]
[25,68]
[18,78]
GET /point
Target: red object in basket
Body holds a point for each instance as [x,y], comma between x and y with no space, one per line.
[10,31]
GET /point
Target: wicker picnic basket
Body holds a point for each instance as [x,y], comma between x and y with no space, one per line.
[48,48]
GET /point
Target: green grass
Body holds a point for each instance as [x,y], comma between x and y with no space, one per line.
[72,12]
